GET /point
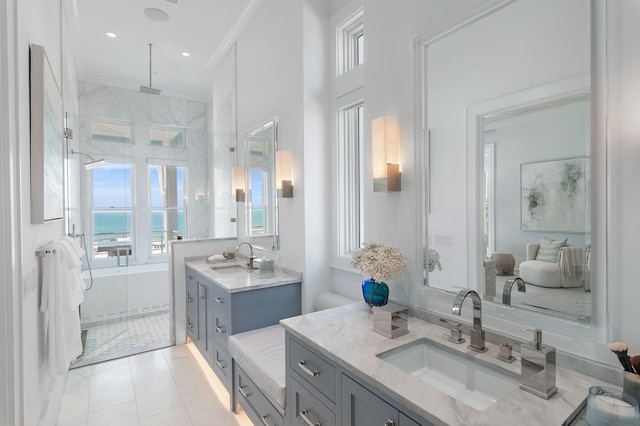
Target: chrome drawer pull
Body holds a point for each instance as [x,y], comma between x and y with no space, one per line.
[245,394]
[219,364]
[190,326]
[264,420]
[190,277]
[219,300]
[220,330]
[389,423]
[190,299]
[303,366]
[303,416]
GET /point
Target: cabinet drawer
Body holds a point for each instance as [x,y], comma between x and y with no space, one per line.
[255,404]
[222,365]
[222,329]
[221,302]
[307,410]
[313,369]
[191,325]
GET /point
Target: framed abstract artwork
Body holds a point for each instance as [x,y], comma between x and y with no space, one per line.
[47,141]
[554,195]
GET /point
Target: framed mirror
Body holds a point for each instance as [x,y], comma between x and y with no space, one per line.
[261,143]
[507,103]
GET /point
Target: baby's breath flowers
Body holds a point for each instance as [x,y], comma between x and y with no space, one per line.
[380,262]
[433,260]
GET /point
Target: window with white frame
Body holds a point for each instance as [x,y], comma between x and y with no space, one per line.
[350,37]
[350,200]
[167,185]
[112,210]
[110,130]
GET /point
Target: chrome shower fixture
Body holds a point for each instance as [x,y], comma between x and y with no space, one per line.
[149,89]
[93,163]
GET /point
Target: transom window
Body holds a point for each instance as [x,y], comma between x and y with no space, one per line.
[170,136]
[350,36]
[111,131]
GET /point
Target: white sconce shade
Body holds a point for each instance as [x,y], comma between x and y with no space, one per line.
[237,182]
[284,171]
[385,135]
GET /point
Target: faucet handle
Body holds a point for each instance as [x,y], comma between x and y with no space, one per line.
[456,331]
[505,352]
[537,335]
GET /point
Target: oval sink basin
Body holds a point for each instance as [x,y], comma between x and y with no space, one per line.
[470,380]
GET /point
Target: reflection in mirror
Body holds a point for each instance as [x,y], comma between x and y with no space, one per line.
[261,204]
[510,92]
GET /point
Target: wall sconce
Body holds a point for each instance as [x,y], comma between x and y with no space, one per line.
[385,133]
[237,182]
[284,167]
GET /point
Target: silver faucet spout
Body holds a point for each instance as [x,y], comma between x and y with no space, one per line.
[251,256]
[506,291]
[477,334]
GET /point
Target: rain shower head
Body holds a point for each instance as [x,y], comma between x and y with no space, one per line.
[149,89]
[91,164]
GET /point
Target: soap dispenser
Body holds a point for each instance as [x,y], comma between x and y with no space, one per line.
[538,366]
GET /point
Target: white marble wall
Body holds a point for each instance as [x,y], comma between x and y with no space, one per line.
[142,110]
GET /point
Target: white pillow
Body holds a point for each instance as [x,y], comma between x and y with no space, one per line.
[549,249]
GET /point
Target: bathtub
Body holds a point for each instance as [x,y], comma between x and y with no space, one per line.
[122,291]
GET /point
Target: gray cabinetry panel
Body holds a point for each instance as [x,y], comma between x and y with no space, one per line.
[361,407]
[255,404]
[313,369]
[306,409]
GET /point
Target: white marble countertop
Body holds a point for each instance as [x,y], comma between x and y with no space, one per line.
[240,280]
[345,336]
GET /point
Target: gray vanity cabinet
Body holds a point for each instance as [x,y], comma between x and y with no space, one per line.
[321,391]
[220,312]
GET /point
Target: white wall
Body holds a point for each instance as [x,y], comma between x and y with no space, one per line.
[39,22]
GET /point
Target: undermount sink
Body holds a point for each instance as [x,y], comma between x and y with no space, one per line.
[471,381]
[228,269]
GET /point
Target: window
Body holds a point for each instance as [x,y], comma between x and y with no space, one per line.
[350,200]
[111,210]
[169,136]
[111,131]
[167,192]
[350,36]
[258,202]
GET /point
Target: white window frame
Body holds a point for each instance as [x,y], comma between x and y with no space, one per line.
[151,208]
[350,161]
[101,262]
[347,34]
[169,128]
[105,120]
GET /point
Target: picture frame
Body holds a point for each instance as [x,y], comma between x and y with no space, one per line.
[554,195]
[47,140]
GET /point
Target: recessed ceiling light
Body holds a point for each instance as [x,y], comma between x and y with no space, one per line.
[156,14]
[186,54]
[110,34]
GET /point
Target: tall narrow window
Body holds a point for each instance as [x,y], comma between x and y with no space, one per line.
[167,188]
[111,210]
[350,200]
[350,36]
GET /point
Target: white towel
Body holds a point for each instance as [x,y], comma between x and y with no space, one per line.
[571,262]
[60,298]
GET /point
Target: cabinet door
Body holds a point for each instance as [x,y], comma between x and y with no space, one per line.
[204,328]
[360,407]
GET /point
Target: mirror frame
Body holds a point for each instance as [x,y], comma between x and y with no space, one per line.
[275,243]
[602,290]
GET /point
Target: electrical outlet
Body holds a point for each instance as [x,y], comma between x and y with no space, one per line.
[444,240]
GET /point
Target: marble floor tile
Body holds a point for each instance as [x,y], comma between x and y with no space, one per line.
[169,386]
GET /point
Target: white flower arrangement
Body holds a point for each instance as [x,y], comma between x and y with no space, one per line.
[432,260]
[380,262]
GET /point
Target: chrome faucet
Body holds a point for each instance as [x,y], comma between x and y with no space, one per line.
[476,333]
[251,256]
[506,291]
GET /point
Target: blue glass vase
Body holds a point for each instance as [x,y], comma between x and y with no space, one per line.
[375,293]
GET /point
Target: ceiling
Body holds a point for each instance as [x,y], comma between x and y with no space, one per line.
[204,28]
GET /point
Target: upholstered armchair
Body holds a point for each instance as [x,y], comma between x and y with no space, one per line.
[566,271]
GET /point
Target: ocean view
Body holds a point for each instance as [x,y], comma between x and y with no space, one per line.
[117,224]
